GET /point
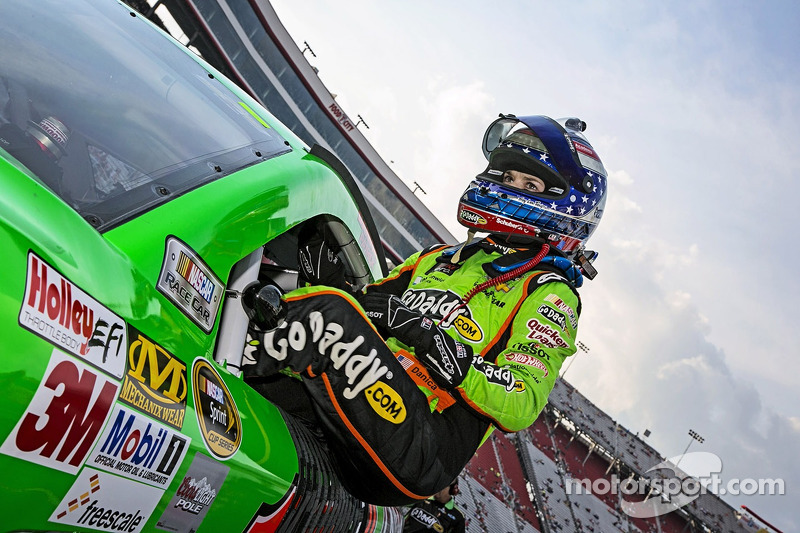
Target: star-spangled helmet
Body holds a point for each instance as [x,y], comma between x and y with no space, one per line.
[567,212]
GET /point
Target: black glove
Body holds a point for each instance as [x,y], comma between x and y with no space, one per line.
[446,358]
[318,262]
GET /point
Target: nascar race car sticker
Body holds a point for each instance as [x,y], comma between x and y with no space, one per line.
[60,312]
[65,416]
[190,284]
[156,380]
[138,448]
[194,496]
[98,500]
[217,415]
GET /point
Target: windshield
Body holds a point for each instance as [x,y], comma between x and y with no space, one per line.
[112,115]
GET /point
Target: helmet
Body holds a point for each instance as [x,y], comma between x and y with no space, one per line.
[569,208]
[51,134]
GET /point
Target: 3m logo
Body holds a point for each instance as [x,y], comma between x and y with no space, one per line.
[64,417]
[386,402]
[156,380]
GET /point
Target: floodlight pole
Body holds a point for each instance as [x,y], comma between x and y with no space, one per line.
[361,121]
[695,436]
[308,47]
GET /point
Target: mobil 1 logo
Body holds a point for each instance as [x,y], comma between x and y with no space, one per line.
[138,448]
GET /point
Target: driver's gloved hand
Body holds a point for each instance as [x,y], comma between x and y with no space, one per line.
[318,261]
[446,358]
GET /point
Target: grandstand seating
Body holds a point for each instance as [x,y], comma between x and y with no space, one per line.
[527,482]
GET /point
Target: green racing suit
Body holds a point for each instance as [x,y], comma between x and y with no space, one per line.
[522,329]
[397,434]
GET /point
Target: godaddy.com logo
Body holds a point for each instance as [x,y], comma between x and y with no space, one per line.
[672,484]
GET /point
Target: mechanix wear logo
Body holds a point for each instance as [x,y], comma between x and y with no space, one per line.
[156,380]
[444,304]
[361,370]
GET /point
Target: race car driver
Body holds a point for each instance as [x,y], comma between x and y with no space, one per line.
[408,377]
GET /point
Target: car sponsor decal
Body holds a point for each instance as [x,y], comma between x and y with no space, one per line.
[156,380]
[270,515]
[361,370]
[558,302]
[545,334]
[109,503]
[138,448]
[527,360]
[446,305]
[217,415]
[194,496]
[61,313]
[64,417]
[386,402]
[556,317]
[190,284]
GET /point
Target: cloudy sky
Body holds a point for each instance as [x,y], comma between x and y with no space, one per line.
[695,110]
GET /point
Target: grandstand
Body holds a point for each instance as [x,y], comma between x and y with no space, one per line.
[527,481]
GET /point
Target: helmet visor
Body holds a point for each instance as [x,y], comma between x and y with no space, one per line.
[510,129]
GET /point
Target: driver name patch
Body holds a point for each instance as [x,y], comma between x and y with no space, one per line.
[190,284]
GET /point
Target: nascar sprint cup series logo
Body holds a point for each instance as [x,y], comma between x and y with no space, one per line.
[444,304]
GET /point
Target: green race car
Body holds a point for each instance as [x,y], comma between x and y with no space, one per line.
[140,193]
